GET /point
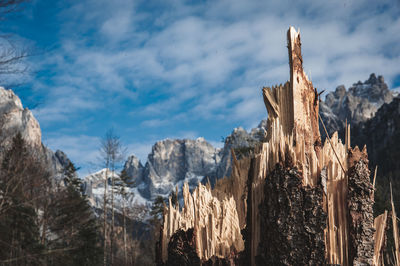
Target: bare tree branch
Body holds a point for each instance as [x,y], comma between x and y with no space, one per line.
[10,6]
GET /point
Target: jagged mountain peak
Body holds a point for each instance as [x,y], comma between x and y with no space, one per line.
[174,160]
[14,118]
[357,104]
[134,170]
[9,101]
[133,160]
[375,90]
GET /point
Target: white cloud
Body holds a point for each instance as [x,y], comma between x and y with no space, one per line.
[208,61]
[117,26]
[154,123]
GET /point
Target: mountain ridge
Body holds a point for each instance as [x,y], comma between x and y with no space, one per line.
[356,104]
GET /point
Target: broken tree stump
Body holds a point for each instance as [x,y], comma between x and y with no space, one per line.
[295,201]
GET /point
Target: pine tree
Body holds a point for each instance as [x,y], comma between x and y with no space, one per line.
[157,208]
[75,225]
[112,153]
[122,189]
[19,230]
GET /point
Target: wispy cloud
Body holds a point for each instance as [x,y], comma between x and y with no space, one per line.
[159,63]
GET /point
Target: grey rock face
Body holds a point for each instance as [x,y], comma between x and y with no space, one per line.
[357,104]
[331,120]
[14,118]
[56,162]
[96,181]
[241,142]
[173,162]
[134,169]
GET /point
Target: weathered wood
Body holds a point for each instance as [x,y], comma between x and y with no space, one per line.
[305,105]
[215,223]
[380,225]
[395,229]
[235,185]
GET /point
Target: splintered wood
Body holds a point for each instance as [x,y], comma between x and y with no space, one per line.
[293,138]
[295,106]
[380,223]
[305,106]
[235,185]
[395,230]
[215,223]
[336,242]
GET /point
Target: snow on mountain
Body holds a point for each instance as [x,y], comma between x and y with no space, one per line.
[396,92]
[94,189]
[172,162]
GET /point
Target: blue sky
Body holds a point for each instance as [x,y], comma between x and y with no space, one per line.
[185,69]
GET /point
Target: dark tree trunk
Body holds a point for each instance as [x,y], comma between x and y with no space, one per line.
[360,203]
[293,220]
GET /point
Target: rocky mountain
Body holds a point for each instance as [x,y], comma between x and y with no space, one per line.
[357,104]
[172,162]
[15,118]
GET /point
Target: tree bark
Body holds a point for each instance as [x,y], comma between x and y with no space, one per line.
[124,217]
[112,215]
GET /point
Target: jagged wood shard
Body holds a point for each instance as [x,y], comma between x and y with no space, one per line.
[395,230]
[292,154]
[215,223]
[380,225]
